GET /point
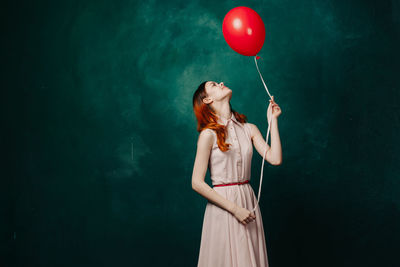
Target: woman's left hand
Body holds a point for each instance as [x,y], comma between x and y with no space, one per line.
[273,109]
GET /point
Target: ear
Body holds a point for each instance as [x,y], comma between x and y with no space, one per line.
[207,100]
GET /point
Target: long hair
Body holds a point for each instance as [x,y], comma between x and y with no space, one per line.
[207,117]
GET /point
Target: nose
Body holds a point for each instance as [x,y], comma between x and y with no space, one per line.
[222,84]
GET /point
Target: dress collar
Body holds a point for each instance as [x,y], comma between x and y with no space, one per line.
[224,121]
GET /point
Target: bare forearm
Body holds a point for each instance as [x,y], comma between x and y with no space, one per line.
[276,147]
[211,195]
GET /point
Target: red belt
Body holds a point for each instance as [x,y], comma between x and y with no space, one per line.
[245,182]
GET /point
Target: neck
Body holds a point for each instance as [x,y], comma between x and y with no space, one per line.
[224,111]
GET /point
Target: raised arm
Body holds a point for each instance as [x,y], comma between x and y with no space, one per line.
[274,153]
[204,145]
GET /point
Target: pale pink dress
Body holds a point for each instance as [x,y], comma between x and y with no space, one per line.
[225,242]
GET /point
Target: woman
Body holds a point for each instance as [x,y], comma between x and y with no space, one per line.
[232,236]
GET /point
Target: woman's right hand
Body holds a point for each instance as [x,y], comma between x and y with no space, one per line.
[243,215]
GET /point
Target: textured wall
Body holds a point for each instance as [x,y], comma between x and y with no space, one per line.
[99,160]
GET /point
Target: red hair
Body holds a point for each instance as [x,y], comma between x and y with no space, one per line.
[207,118]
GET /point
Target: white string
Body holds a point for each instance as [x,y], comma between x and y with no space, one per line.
[266,139]
[255,60]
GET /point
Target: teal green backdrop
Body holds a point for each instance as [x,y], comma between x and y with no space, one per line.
[100,136]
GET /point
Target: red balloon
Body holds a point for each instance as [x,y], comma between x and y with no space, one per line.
[244,30]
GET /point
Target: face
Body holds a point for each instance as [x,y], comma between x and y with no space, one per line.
[216,92]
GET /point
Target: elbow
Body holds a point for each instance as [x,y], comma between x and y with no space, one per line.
[277,163]
[195,186]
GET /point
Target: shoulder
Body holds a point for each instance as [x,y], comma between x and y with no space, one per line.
[206,137]
[207,132]
[253,128]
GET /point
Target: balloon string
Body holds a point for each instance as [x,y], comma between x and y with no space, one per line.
[255,60]
[266,141]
